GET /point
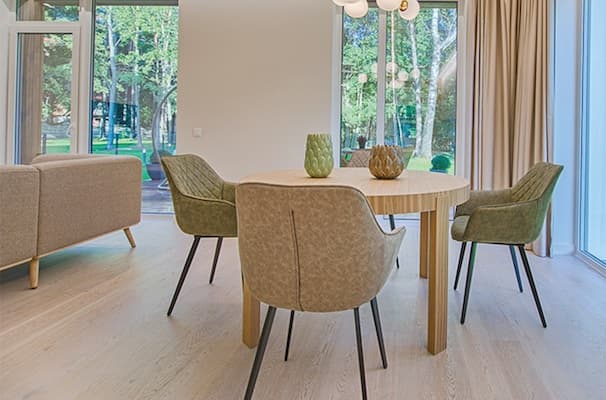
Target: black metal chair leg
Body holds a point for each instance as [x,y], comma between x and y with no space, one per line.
[188,262]
[533,287]
[514,259]
[217,251]
[472,259]
[269,320]
[377,318]
[289,336]
[392,223]
[360,353]
[461,258]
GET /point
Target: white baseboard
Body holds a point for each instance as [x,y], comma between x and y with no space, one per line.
[563,249]
[592,263]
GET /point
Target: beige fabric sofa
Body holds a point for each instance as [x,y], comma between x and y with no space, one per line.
[62,200]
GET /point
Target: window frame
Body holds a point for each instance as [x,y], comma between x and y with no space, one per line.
[81,63]
[463,134]
[583,159]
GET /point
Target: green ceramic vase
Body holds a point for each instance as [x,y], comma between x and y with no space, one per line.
[318,155]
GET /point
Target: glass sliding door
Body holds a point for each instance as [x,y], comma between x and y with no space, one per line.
[46,98]
[134,96]
[359,85]
[593,202]
[411,100]
[421,77]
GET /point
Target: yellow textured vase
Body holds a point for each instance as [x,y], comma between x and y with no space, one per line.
[386,162]
[318,155]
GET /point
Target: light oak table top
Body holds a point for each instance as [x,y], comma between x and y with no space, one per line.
[413,191]
[431,194]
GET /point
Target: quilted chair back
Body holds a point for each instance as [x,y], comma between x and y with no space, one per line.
[203,205]
[315,249]
[537,185]
[190,175]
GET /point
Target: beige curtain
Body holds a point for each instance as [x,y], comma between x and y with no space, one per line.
[507,51]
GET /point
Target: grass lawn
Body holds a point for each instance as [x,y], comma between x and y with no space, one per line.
[125,147]
[423,164]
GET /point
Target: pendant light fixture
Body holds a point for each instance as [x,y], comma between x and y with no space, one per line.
[342,3]
[389,5]
[409,9]
[358,9]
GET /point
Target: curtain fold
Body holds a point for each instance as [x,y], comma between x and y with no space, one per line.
[508,44]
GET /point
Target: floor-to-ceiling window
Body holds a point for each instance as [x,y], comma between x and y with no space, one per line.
[44,78]
[134,91]
[399,85]
[96,76]
[593,201]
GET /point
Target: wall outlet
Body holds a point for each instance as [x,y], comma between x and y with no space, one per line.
[197,132]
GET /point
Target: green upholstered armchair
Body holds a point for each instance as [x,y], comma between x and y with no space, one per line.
[512,217]
[205,206]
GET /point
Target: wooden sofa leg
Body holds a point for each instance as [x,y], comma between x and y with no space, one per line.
[129,236]
[34,268]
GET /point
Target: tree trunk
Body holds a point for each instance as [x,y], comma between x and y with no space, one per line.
[397,127]
[137,92]
[432,94]
[167,72]
[417,88]
[111,40]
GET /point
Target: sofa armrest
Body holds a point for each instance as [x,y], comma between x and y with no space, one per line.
[81,199]
[19,191]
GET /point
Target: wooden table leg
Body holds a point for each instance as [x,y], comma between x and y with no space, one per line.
[424,243]
[437,315]
[250,317]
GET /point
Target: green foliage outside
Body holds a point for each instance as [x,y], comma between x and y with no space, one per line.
[125,147]
[135,68]
[420,95]
[135,74]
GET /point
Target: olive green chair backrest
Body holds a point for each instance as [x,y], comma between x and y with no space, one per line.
[190,175]
[538,182]
[538,185]
[204,203]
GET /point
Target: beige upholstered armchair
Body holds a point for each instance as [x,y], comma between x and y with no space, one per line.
[204,206]
[315,249]
[360,159]
[512,217]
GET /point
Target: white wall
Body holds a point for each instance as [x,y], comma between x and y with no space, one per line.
[4,19]
[566,123]
[256,77]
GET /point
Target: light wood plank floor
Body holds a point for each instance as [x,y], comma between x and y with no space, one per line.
[96,329]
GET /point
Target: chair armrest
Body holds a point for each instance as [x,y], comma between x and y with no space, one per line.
[483,198]
[229,192]
[393,242]
[206,217]
[513,223]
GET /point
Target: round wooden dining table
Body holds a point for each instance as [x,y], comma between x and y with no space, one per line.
[430,194]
